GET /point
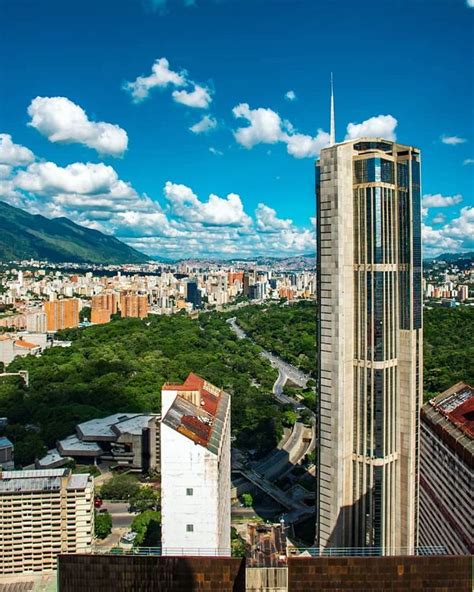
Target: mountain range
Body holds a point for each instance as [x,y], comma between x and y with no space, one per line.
[32,236]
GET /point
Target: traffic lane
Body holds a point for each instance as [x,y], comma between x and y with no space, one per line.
[121,517]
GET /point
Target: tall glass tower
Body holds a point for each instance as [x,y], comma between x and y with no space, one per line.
[369,344]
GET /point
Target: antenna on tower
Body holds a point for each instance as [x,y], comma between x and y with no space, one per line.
[332,133]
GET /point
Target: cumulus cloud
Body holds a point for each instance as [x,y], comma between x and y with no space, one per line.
[468,160]
[439,219]
[199,98]
[206,124]
[217,211]
[381,126]
[161,76]
[267,220]
[470,3]
[456,235]
[441,201]
[61,120]
[267,127]
[290,95]
[5,171]
[452,140]
[14,154]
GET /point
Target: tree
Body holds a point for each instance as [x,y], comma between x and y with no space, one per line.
[289,418]
[102,524]
[247,500]
[147,525]
[146,498]
[120,487]
[238,544]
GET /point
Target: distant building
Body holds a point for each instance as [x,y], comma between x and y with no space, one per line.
[12,346]
[130,440]
[195,468]
[463,293]
[43,514]
[36,322]
[62,314]
[103,306]
[6,454]
[193,294]
[447,471]
[133,305]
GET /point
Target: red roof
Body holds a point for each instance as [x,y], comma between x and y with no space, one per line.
[463,416]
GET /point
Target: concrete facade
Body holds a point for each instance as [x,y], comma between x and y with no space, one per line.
[369,344]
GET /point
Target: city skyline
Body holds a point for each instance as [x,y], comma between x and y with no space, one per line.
[142,132]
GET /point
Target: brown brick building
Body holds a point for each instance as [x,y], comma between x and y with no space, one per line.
[61,314]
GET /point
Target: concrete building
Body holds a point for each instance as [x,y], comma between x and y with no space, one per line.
[12,346]
[195,468]
[129,440]
[369,344]
[103,306]
[447,471]
[62,314]
[133,305]
[6,454]
[43,514]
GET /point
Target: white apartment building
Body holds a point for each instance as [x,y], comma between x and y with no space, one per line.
[42,514]
[195,469]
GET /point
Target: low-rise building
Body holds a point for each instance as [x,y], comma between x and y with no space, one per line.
[12,346]
[131,440]
[446,516]
[42,514]
[6,454]
[195,468]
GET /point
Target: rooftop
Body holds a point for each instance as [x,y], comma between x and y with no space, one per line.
[5,442]
[35,480]
[102,428]
[202,424]
[72,445]
[457,404]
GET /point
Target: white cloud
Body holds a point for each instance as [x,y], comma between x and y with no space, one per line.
[5,171]
[61,120]
[205,124]
[267,127]
[200,97]
[452,140]
[290,95]
[301,146]
[456,235]
[439,219]
[468,160]
[161,76]
[14,154]
[381,126]
[215,151]
[267,220]
[441,201]
[216,211]
[470,3]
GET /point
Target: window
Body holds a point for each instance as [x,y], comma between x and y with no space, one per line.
[189,527]
[189,491]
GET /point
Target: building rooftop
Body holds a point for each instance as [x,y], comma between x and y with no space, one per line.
[134,425]
[73,446]
[451,416]
[101,429]
[5,443]
[203,423]
[30,481]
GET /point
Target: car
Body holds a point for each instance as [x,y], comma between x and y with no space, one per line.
[128,537]
[97,501]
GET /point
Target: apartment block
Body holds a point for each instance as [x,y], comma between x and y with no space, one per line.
[133,305]
[195,468]
[42,514]
[447,471]
[61,314]
[103,306]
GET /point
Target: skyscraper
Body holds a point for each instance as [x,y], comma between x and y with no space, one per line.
[369,344]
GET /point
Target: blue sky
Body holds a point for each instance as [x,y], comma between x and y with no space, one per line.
[84,136]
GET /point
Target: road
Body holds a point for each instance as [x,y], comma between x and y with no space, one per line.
[121,521]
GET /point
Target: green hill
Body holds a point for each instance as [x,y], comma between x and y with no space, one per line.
[27,236]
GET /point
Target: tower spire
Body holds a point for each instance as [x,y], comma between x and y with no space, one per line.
[332,133]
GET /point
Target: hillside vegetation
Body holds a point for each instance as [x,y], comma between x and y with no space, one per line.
[27,236]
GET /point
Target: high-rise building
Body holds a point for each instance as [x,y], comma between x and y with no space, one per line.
[193,293]
[133,305]
[195,468]
[42,514]
[61,314]
[369,344]
[103,306]
[447,471]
